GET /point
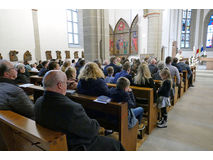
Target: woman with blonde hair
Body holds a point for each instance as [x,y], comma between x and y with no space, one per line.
[71,78]
[91,81]
[144,78]
[65,65]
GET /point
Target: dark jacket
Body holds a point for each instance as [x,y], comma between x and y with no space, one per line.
[156,76]
[123,73]
[57,112]
[165,89]
[22,78]
[153,68]
[115,67]
[93,87]
[14,98]
[119,95]
[42,72]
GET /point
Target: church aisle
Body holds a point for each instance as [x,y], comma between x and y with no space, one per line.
[190,125]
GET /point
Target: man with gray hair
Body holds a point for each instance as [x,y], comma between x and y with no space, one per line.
[11,96]
[56,111]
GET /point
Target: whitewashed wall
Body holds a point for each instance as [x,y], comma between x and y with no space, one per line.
[16,32]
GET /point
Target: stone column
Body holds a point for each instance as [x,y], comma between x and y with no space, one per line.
[96,34]
[154,32]
[36,35]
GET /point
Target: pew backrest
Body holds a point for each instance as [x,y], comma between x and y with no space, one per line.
[23,134]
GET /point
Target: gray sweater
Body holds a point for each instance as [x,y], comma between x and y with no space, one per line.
[14,98]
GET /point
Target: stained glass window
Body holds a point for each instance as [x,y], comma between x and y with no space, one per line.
[209,40]
[72,27]
[186,28]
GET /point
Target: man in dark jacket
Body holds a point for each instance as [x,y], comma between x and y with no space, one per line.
[152,66]
[113,64]
[57,112]
[44,69]
[11,96]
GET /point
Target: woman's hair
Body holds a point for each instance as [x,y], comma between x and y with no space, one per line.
[19,67]
[69,72]
[143,74]
[65,65]
[167,74]
[91,70]
[161,65]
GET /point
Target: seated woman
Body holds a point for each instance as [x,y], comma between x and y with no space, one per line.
[144,79]
[91,81]
[71,74]
[21,77]
[161,65]
[65,65]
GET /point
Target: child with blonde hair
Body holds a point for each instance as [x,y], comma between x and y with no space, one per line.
[163,96]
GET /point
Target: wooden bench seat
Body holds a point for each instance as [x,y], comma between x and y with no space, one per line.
[23,134]
[148,95]
[102,113]
[35,79]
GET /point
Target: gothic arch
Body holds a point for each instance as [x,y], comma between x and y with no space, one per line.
[111,40]
[121,40]
[206,21]
[134,36]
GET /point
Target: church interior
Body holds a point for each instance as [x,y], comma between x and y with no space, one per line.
[127,41]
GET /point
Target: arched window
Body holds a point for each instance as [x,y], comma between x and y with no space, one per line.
[134,36]
[209,38]
[186,28]
[72,27]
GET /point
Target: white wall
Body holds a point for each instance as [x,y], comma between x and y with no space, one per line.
[16,32]
[53,32]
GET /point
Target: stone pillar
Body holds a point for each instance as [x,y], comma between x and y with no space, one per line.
[96,34]
[154,32]
[36,35]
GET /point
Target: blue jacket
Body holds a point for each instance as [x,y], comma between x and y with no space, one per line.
[115,67]
[93,87]
[109,79]
[42,71]
[123,73]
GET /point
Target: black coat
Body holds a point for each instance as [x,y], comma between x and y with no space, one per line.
[57,112]
[165,89]
[22,78]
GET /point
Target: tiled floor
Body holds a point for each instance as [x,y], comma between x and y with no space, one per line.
[190,124]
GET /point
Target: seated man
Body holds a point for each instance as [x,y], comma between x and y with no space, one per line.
[152,66]
[11,96]
[57,112]
[124,73]
[113,62]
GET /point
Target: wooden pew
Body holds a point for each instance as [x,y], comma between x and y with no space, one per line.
[145,93]
[128,137]
[186,82]
[193,69]
[32,73]
[23,134]
[181,86]
[37,80]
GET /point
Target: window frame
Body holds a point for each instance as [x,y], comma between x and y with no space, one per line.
[71,22]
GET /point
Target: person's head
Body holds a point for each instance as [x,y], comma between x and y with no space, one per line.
[153,61]
[45,64]
[20,68]
[161,65]
[66,63]
[82,63]
[118,59]
[106,62]
[34,65]
[113,60]
[126,66]
[165,75]
[180,51]
[73,61]
[70,73]
[98,63]
[168,60]
[123,84]
[110,71]
[53,66]
[175,60]
[142,74]
[39,61]
[187,62]
[55,81]
[7,70]
[146,59]
[26,63]
[90,70]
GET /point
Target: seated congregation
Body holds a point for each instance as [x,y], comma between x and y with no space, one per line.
[120,80]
